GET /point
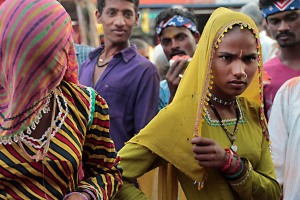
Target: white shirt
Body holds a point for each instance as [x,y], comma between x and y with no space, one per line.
[268,46]
[284,127]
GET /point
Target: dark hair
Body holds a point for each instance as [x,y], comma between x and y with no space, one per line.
[266,3]
[140,44]
[169,13]
[101,5]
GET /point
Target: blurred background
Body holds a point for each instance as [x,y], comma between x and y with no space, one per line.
[88,32]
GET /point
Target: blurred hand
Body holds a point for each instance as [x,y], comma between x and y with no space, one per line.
[208,153]
[173,78]
[77,196]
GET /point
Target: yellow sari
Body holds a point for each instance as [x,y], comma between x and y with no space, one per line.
[169,134]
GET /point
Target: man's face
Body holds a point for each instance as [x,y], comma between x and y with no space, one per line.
[118,19]
[285,27]
[144,52]
[178,41]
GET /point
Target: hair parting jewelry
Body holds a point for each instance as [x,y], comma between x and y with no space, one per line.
[241,54]
[229,27]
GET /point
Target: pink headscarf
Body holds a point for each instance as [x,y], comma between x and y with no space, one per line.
[36,54]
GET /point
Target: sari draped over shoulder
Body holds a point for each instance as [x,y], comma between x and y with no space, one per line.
[168,136]
[180,121]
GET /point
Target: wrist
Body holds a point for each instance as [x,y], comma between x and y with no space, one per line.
[235,165]
[229,158]
[86,195]
[81,194]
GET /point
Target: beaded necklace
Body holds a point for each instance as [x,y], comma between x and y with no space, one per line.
[220,101]
[59,120]
[39,154]
[230,135]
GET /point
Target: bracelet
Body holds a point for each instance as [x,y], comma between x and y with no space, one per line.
[67,196]
[245,178]
[90,193]
[236,167]
[234,176]
[227,165]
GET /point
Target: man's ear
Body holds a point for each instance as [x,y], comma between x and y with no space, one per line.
[98,16]
[197,36]
[137,19]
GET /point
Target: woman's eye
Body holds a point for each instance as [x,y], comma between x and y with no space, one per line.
[250,59]
[225,57]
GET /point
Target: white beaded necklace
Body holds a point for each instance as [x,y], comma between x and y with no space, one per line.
[27,138]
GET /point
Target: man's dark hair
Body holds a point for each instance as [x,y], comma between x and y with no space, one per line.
[266,3]
[169,13]
[101,5]
[140,43]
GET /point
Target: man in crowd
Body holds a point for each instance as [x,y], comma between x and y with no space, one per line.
[126,80]
[283,18]
[178,34]
[283,21]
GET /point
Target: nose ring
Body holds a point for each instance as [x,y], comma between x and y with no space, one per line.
[244,77]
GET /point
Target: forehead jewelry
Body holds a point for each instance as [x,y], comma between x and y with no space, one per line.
[241,53]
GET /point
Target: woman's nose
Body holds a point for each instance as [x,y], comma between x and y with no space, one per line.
[239,70]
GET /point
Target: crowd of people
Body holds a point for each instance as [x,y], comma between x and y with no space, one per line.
[214,114]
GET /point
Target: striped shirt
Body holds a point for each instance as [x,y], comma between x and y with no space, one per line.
[81,155]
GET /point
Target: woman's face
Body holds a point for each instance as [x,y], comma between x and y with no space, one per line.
[234,63]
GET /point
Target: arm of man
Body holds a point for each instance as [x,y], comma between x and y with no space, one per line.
[146,103]
[278,132]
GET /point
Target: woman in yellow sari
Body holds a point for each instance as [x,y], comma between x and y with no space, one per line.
[216,139]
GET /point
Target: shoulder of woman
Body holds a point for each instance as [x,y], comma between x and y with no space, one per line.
[248,106]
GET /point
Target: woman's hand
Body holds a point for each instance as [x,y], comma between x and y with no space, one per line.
[208,153]
[77,196]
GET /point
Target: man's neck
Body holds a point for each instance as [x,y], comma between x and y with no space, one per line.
[290,56]
[112,49]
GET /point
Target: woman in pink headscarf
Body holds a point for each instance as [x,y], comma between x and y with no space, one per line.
[54,133]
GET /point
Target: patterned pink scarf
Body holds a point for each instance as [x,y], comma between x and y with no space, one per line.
[36,54]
